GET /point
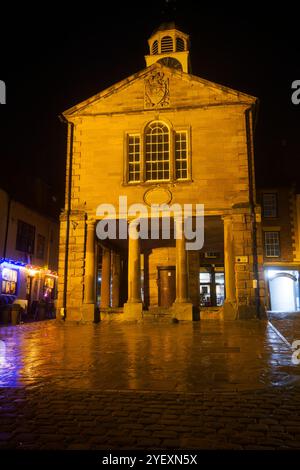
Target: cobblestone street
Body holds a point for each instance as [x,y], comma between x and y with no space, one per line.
[206,385]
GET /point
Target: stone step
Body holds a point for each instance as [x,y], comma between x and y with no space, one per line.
[211,313]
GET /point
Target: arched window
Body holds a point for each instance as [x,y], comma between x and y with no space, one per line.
[155,47]
[157,154]
[179,44]
[166,44]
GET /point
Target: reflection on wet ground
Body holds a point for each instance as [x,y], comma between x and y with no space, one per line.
[287,323]
[191,357]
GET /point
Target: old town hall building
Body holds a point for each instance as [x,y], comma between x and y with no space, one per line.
[162,136]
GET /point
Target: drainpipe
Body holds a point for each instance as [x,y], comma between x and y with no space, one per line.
[7,226]
[68,210]
[250,155]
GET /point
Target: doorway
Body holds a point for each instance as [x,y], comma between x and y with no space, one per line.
[283,291]
[166,286]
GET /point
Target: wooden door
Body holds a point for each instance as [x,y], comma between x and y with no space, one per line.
[166,286]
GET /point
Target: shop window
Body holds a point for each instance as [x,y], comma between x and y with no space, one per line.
[49,285]
[9,281]
[212,290]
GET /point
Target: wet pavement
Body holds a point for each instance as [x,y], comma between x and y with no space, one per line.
[288,324]
[207,384]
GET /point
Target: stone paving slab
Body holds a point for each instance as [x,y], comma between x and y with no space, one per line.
[207,385]
[288,324]
[262,419]
[189,357]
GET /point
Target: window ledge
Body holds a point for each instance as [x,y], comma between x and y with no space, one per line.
[156,183]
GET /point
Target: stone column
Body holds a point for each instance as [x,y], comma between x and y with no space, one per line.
[181,265]
[213,293]
[89,276]
[116,272]
[133,308]
[230,298]
[88,307]
[105,278]
[182,307]
[134,266]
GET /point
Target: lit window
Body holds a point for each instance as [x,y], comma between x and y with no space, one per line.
[205,277]
[49,284]
[157,152]
[272,244]
[134,158]
[158,155]
[166,44]
[9,281]
[270,205]
[179,44]
[211,254]
[181,155]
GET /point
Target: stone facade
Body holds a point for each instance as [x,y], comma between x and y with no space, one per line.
[281,216]
[218,124]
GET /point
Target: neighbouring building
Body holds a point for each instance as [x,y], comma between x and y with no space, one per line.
[161,136]
[29,254]
[281,243]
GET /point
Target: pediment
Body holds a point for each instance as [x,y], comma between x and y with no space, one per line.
[158,87]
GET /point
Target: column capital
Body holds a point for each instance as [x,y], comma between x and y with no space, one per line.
[90,222]
[226,217]
[133,226]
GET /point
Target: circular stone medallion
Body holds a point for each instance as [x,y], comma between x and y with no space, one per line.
[157,196]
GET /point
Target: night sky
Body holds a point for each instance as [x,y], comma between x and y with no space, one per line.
[52,60]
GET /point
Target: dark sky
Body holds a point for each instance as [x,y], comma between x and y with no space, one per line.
[52,60]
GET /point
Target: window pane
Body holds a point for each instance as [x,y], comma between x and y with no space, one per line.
[181,155]
[219,277]
[272,244]
[270,205]
[157,152]
[204,277]
[134,158]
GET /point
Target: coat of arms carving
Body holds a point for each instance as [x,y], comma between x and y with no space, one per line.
[156,90]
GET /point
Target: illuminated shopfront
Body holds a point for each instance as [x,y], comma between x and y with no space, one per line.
[24,284]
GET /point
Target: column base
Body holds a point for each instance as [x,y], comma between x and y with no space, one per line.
[88,312]
[182,311]
[247,312]
[73,314]
[133,311]
[229,310]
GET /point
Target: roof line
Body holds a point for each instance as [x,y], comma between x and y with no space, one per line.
[127,81]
